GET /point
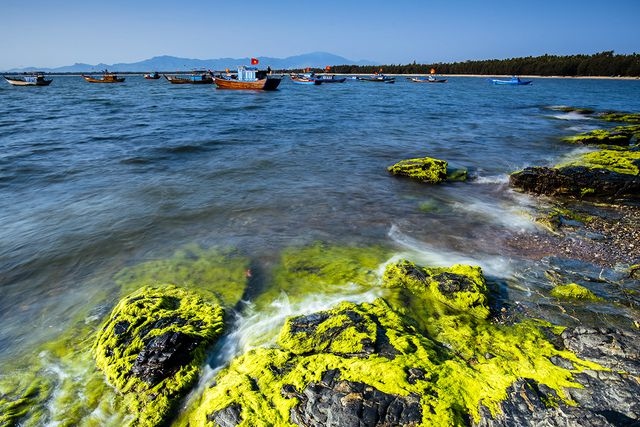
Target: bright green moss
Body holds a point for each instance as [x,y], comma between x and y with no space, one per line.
[615,116]
[620,161]
[140,318]
[218,275]
[464,362]
[600,136]
[460,287]
[573,291]
[425,169]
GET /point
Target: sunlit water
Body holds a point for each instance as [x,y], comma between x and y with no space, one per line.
[94,178]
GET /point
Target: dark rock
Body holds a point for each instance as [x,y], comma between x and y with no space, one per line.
[163,356]
[336,403]
[608,397]
[577,181]
[227,417]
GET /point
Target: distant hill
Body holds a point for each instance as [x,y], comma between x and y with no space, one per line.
[172,63]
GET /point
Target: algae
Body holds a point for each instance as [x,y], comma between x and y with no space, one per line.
[573,291]
[453,361]
[616,116]
[153,345]
[426,169]
[218,275]
[620,161]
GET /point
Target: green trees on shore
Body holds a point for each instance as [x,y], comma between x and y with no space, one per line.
[599,64]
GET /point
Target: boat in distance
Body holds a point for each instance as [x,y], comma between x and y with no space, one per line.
[380,78]
[429,79]
[248,78]
[30,80]
[512,81]
[152,76]
[107,77]
[331,79]
[305,79]
[195,78]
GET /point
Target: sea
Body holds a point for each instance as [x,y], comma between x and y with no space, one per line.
[98,177]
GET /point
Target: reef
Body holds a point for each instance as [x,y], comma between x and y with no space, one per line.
[152,347]
[422,355]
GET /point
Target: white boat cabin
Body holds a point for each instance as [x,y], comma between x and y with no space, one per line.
[250,74]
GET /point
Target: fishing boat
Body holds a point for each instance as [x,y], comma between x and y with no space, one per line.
[195,78]
[30,80]
[249,78]
[152,76]
[429,79]
[380,78]
[305,79]
[512,81]
[107,77]
[331,79]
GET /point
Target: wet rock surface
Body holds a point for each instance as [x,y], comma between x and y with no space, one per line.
[577,181]
[336,403]
[608,397]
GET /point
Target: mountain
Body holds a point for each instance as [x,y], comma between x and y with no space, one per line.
[172,63]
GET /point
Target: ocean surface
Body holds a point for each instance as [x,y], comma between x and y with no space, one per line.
[94,178]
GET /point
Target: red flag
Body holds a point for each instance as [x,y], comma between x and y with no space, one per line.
[433,71]
[254,61]
[327,68]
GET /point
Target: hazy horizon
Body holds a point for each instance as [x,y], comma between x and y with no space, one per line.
[54,33]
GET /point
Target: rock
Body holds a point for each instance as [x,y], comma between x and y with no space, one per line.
[426,169]
[577,181]
[335,403]
[152,347]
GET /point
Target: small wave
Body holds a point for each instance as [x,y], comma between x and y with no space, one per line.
[572,115]
[184,149]
[495,179]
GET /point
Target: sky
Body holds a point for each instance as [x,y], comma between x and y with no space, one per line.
[56,33]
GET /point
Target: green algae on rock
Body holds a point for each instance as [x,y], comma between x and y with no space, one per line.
[601,137]
[461,287]
[441,377]
[218,275]
[426,169]
[625,162]
[153,345]
[573,291]
[617,116]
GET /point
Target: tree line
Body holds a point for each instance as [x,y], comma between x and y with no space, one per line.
[599,64]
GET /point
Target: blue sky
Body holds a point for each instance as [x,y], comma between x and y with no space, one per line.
[55,33]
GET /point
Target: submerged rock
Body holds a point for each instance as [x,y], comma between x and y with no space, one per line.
[153,345]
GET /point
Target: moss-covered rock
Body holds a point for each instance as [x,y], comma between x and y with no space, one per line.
[216,274]
[426,169]
[461,287]
[600,175]
[617,116]
[601,137]
[573,291]
[345,366]
[153,345]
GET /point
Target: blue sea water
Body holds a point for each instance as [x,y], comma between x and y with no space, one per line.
[97,177]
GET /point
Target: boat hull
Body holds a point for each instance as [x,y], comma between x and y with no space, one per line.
[427,80]
[262,84]
[21,82]
[181,81]
[305,81]
[332,80]
[378,79]
[511,82]
[103,80]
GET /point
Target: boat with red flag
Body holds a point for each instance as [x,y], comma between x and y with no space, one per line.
[250,78]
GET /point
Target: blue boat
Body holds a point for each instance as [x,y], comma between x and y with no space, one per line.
[305,79]
[380,78]
[512,81]
[331,79]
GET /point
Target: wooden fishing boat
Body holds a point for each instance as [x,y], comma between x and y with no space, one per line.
[429,79]
[30,80]
[512,81]
[305,79]
[107,77]
[331,79]
[379,78]
[249,78]
[195,78]
[152,76]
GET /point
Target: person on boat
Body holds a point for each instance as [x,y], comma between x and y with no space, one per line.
[268,70]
